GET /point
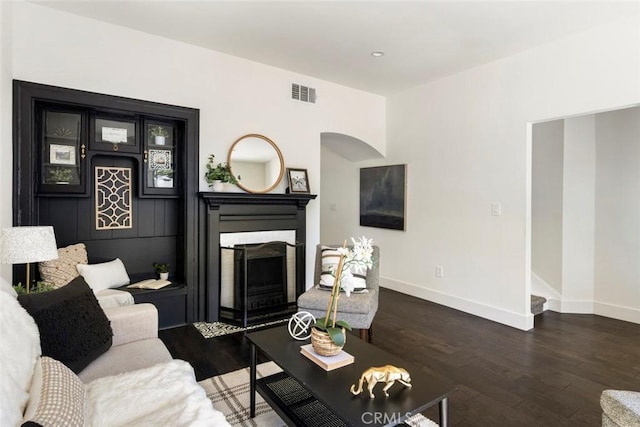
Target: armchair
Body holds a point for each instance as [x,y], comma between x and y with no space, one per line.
[358,310]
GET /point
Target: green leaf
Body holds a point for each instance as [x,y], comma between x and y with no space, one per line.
[344,324]
[336,336]
[319,325]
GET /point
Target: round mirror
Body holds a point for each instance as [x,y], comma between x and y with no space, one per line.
[256,162]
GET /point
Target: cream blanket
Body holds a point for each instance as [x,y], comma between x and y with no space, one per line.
[164,394]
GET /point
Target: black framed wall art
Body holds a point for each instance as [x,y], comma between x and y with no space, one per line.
[383,197]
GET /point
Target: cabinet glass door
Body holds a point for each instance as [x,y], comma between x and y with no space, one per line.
[159,162]
[63,152]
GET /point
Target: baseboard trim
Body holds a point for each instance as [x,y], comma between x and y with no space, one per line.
[628,314]
[576,306]
[496,314]
[618,312]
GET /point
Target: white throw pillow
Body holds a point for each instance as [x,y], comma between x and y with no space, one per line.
[330,260]
[107,275]
[19,349]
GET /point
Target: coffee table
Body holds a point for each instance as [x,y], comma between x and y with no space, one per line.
[306,394]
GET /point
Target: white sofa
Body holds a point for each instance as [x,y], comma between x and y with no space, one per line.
[136,382]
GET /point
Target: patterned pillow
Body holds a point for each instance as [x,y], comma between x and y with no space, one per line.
[57,396]
[61,271]
[330,260]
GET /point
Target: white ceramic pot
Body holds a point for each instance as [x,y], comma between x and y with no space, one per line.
[164,182]
[164,276]
[217,186]
[159,140]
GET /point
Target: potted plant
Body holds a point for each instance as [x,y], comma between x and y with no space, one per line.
[159,134]
[217,174]
[39,287]
[164,178]
[162,269]
[61,175]
[328,334]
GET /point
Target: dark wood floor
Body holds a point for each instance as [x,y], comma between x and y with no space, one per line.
[550,376]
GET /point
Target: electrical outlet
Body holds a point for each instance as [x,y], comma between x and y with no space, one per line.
[439,271]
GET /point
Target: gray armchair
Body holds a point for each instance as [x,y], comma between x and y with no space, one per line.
[359,309]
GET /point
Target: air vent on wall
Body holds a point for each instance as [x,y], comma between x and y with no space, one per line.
[303,93]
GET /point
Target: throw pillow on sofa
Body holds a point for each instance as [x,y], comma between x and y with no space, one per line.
[73,328]
[62,270]
[56,396]
[105,275]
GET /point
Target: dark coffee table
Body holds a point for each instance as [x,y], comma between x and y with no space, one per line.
[305,394]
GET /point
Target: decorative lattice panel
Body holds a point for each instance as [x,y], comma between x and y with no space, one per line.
[113,198]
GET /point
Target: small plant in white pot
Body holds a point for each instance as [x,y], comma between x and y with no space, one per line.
[61,175]
[162,269]
[159,134]
[164,178]
[217,174]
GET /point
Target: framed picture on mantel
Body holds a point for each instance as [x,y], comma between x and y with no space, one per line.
[298,181]
[383,197]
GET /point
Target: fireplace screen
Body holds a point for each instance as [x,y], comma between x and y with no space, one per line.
[258,282]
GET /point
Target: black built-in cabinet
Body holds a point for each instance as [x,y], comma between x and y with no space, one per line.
[62,135]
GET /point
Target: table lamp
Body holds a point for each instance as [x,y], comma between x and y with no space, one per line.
[24,245]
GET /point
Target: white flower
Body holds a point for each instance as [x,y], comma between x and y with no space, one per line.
[357,260]
[347,283]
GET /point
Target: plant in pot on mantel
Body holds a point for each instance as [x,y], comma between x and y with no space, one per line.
[162,269]
[328,334]
[217,174]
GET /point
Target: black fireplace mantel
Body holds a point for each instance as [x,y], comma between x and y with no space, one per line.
[215,199]
[243,212]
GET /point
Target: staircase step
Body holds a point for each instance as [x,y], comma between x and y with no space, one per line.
[537,304]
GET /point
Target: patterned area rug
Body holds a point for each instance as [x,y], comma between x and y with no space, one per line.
[230,395]
[218,329]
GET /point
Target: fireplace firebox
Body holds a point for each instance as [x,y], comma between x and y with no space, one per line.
[257,289]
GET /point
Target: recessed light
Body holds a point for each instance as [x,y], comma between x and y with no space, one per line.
[377,53]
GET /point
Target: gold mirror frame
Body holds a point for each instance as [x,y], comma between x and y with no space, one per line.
[276,149]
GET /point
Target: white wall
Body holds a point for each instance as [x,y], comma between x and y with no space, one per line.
[579,214]
[235,96]
[5,121]
[466,140]
[546,201]
[617,229]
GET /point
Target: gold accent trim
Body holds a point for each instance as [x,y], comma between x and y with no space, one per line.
[113,195]
[278,152]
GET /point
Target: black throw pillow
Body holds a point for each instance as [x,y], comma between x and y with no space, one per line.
[73,326]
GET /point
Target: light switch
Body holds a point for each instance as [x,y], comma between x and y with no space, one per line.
[496,209]
[332,207]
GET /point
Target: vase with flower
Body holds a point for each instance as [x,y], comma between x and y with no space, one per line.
[328,334]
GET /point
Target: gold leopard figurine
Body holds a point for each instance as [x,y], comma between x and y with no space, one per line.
[388,374]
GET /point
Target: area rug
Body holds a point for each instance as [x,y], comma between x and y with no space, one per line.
[218,329]
[230,395]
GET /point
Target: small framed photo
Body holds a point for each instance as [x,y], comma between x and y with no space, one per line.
[298,180]
[62,154]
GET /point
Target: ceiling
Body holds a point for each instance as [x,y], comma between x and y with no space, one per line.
[333,40]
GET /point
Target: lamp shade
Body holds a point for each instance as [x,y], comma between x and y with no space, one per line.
[21,245]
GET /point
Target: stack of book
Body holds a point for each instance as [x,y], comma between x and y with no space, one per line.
[328,363]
